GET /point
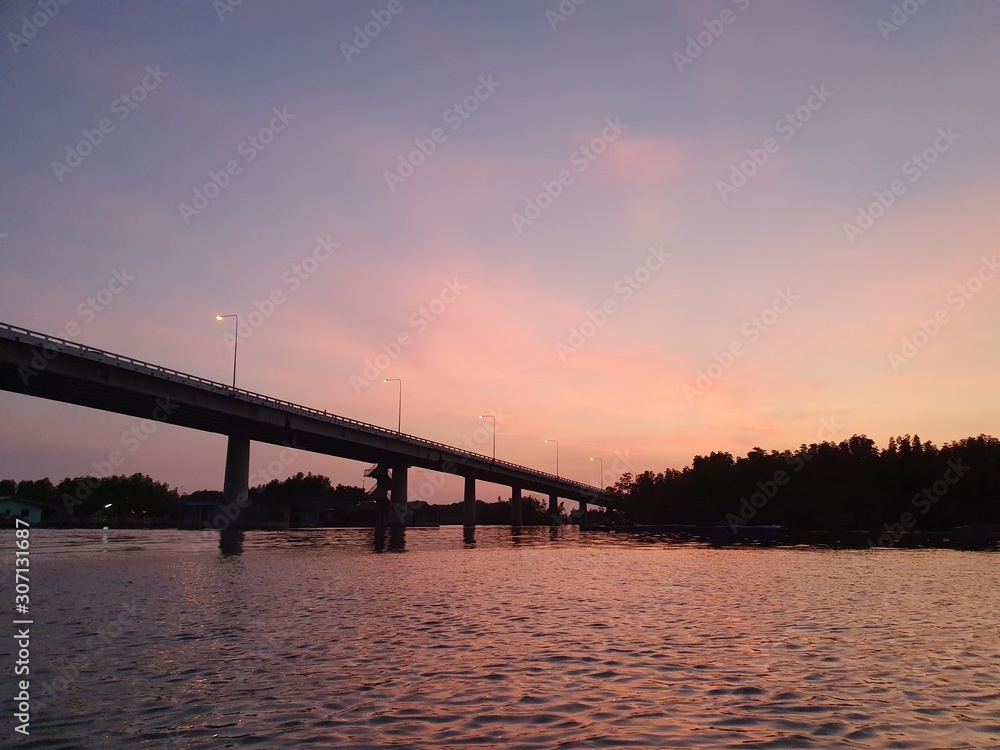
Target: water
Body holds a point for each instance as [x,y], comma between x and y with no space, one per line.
[311,639]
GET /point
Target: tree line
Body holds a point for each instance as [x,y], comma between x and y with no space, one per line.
[847,485]
[140,498]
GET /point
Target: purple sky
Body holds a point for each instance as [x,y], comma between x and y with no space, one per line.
[645,229]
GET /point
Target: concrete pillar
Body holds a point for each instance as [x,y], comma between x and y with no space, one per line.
[583,513]
[469,506]
[400,512]
[515,506]
[235,486]
[553,507]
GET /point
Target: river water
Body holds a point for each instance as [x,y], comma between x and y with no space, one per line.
[537,639]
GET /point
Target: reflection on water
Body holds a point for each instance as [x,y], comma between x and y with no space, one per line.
[546,637]
[231,541]
[396,535]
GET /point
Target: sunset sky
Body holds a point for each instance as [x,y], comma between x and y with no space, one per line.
[645,229]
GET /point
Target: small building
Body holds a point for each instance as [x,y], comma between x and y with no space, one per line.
[16,507]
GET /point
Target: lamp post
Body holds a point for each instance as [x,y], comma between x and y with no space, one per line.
[557,454]
[236,342]
[601,464]
[491,416]
[399,412]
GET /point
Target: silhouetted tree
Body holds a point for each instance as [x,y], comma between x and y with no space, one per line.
[846,485]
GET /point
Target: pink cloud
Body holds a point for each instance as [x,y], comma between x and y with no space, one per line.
[645,162]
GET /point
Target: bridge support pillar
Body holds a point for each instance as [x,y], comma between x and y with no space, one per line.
[400,512]
[583,513]
[235,486]
[553,508]
[515,506]
[469,505]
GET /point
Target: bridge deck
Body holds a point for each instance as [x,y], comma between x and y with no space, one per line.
[40,365]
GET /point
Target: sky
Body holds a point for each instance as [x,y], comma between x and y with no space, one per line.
[647,230]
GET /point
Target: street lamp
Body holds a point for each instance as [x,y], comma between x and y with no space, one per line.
[236,342]
[557,454]
[490,416]
[399,413]
[601,460]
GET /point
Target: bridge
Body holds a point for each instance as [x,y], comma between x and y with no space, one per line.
[44,366]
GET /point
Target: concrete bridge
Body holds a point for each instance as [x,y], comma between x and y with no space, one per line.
[47,367]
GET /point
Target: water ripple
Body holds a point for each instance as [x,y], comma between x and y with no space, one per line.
[530,640]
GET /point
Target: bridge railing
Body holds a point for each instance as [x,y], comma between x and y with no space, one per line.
[45,341]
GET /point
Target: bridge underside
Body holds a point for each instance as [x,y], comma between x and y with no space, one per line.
[212,407]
